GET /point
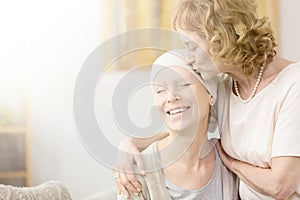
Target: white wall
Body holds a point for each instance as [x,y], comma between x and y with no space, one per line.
[61,34]
[47,42]
[289,29]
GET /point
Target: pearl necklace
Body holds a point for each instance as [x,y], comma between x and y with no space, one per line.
[236,89]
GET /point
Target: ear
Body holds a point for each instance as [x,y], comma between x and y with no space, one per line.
[211,100]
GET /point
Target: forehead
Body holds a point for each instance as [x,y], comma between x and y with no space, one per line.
[188,37]
[174,74]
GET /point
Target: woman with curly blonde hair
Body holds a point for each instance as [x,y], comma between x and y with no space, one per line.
[260,113]
[261,118]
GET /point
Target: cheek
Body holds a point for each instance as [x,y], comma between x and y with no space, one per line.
[201,55]
[189,54]
[188,94]
[157,100]
[202,101]
[202,109]
[158,107]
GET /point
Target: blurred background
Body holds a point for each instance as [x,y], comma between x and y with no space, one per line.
[43,45]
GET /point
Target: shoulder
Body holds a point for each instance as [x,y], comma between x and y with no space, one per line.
[224,90]
[151,159]
[225,78]
[288,75]
[150,149]
[287,82]
[225,83]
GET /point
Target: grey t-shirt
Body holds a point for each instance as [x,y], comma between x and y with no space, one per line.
[212,190]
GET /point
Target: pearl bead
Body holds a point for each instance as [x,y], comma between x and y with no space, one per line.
[236,89]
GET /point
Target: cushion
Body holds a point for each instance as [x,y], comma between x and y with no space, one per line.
[48,190]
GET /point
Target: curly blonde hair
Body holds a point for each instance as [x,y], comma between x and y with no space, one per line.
[235,33]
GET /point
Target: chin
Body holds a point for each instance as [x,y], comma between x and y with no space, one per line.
[175,127]
[207,76]
[181,127]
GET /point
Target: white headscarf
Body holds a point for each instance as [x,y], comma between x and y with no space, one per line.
[176,58]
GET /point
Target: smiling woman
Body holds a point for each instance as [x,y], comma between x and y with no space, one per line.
[184,102]
[179,95]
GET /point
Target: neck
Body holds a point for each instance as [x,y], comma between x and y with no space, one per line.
[245,82]
[246,90]
[186,146]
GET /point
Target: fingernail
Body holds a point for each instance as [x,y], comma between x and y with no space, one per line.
[138,189]
[126,197]
[143,172]
[136,194]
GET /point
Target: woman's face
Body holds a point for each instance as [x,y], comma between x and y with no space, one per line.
[182,99]
[198,56]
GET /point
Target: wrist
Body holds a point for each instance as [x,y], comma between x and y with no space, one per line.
[127,145]
[234,165]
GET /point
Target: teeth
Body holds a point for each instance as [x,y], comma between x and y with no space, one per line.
[180,110]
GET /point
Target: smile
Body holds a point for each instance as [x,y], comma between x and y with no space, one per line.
[177,110]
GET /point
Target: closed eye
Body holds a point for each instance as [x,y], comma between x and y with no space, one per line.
[191,46]
[192,49]
[183,85]
[159,91]
[186,84]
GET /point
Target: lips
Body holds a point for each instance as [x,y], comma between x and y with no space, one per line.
[178,110]
[200,68]
[197,70]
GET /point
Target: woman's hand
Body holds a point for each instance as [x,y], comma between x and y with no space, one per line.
[284,174]
[124,172]
[226,159]
[129,162]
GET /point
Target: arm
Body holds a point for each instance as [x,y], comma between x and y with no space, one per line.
[143,143]
[280,181]
[125,178]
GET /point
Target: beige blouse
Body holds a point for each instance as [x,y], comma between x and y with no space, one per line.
[266,127]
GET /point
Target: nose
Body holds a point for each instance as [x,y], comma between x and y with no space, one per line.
[172,97]
[190,57]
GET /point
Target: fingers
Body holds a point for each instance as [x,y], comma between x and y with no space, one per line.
[134,181]
[121,189]
[127,162]
[220,150]
[128,184]
[215,140]
[117,181]
[217,143]
[219,147]
[126,179]
[139,164]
